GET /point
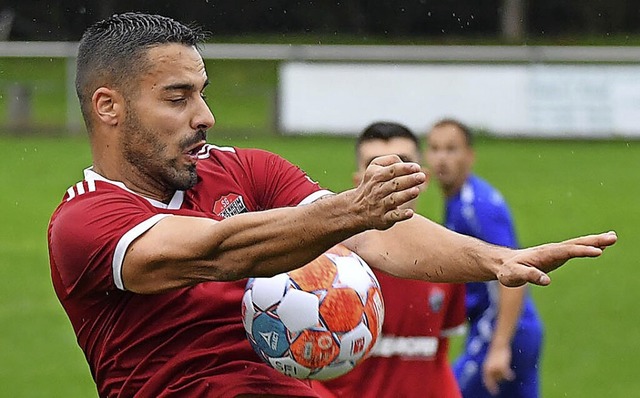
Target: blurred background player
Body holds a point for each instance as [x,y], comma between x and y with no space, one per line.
[410,357]
[503,346]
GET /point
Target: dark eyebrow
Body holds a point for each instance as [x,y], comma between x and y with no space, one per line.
[184,86]
[179,87]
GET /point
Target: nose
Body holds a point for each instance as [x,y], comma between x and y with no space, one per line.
[203,118]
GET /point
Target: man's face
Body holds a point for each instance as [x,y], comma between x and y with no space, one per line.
[449,157]
[167,117]
[405,148]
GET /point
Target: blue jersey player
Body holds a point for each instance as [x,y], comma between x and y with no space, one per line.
[502,350]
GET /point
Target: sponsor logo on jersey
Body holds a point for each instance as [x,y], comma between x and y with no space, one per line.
[436,299]
[415,347]
[229,205]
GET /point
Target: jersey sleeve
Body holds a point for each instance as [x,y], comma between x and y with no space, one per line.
[496,224]
[89,235]
[278,182]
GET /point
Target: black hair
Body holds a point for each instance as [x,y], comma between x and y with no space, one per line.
[466,131]
[112,51]
[386,131]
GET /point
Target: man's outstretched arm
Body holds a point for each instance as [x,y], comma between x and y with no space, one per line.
[419,248]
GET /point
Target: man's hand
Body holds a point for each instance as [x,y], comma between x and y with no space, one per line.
[532,264]
[387,184]
[496,368]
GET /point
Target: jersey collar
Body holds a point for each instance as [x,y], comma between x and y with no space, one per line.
[174,203]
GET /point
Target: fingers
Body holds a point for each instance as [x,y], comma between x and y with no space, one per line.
[491,384]
[386,160]
[396,215]
[492,378]
[395,182]
[397,174]
[497,368]
[386,186]
[514,275]
[600,241]
[396,193]
[392,210]
[532,265]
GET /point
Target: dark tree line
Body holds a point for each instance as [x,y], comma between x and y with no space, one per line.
[66,19]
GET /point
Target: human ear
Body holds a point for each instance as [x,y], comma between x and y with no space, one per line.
[107,105]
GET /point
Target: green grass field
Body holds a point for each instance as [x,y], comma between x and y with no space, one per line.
[557,189]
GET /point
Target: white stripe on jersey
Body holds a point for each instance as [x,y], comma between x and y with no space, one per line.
[315,196]
[78,189]
[207,148]
[125,241]
[71,193]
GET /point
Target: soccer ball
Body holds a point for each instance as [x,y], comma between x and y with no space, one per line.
[316,322]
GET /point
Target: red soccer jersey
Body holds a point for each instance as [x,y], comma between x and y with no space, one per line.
[410,357]
[188,342]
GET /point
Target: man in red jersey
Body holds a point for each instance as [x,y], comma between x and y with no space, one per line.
[410,357]
[149,251]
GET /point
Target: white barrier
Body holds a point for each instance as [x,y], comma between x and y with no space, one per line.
[525,99]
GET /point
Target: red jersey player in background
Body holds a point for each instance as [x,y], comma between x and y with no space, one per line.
[410,356]
[149,251]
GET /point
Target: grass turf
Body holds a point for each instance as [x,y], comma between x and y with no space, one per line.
[556,189]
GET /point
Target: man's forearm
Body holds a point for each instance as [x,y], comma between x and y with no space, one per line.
[280,240]
[422,249]
[181,251]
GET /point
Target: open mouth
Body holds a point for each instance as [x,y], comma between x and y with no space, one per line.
[195,149]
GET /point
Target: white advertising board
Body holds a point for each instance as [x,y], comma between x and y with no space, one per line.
[546,100]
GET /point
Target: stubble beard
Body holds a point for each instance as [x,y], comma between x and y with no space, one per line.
[142,150]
